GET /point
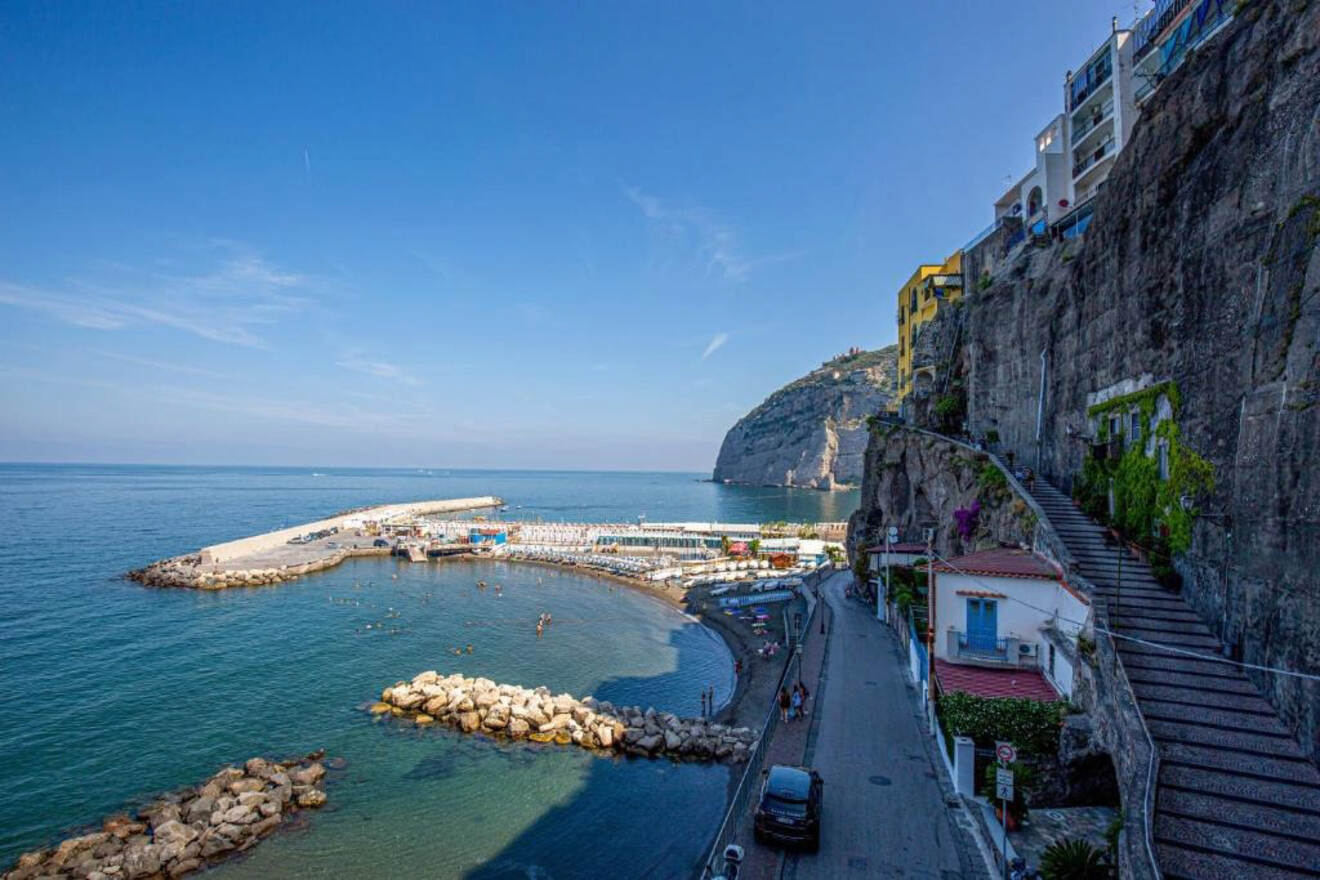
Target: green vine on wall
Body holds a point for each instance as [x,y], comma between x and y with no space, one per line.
[1146,508]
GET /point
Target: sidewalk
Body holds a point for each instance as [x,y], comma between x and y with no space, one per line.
[789,742]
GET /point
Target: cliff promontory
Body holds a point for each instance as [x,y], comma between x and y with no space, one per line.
[812,432]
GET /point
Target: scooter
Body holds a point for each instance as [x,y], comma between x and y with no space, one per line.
[733,856]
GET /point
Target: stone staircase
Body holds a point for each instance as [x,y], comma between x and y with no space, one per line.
[1237,797]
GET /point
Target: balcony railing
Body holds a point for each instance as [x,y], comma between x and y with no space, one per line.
[1154,23]
[976,647]
[1081,129]
[1100,152]
[1087,82]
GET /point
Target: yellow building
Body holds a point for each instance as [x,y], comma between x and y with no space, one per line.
[931,287]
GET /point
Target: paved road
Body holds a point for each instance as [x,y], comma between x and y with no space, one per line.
[884,813]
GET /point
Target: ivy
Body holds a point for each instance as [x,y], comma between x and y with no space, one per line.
[1146,508]
[1031,725]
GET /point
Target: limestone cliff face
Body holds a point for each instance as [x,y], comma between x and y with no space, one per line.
[1201,267]
[811,433]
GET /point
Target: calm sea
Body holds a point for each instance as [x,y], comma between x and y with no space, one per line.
[115,692]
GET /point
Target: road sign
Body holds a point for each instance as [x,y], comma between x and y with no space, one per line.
[893,534]
[1003,784]
[1005,752]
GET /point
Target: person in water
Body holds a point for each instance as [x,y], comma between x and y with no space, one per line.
[469,648]
[540,627]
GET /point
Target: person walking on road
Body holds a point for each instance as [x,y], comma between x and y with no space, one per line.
[784,703]
[796,703]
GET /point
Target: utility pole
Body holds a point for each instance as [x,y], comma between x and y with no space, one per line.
[930,621]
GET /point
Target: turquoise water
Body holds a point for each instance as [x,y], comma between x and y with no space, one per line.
[115,691]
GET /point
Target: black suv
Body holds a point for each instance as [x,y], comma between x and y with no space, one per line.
[789,811]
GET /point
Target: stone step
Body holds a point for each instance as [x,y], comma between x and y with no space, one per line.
[1252,847]
[1296,794]
[1220,810]
[1171,694]
[1194,683]
[1219,717]
[1153,658]
[1247,766]
[1153,609]
[1205,644]
[1246,743]
[1178,862]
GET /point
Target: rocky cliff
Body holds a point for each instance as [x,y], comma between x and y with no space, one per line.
[1200,269]
[812,432]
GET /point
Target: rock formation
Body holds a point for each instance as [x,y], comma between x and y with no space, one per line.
[479,705]
[812,432]
[186,830]
[1199,267]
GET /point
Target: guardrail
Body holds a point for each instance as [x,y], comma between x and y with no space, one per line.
[747,785]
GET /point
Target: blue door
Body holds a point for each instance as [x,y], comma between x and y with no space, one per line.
[982,624]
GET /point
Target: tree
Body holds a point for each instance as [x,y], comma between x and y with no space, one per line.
[755,546]
[724,544]
[1073,859]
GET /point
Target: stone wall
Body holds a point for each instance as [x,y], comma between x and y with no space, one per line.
[1201,267]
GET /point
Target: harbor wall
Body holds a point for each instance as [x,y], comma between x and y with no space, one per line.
[219,553]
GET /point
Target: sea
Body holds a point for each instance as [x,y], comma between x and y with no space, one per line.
[115,692]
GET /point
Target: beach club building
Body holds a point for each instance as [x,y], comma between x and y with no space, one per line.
[1006,625]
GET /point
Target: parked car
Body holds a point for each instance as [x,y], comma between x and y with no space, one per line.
[789,809]
[380,542]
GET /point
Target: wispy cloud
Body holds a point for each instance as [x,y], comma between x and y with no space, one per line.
[226,303]
[716,343]
[716,241]
[163,366]
[380,369]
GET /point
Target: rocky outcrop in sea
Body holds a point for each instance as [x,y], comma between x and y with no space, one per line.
[186,830]
[812,432]
[190,572]
[479,705]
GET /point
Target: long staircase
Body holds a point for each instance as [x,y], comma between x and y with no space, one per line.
[1237,797]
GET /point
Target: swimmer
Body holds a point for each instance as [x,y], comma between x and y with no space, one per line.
[540,627]
[469,648]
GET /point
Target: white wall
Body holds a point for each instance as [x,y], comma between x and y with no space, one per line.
[1017,615]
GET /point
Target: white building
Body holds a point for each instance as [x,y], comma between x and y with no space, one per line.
[1006,609]
[1100,109]
[1044,194]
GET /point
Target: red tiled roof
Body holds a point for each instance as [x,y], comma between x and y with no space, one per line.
[981,682]
[898,548]
[1001,562]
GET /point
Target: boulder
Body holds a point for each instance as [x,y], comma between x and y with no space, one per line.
[605,734]
[214,843]
[257,767]
[518,727]
[184,866]
[649,743]
[238,786]
[251,799]
[175,832]
[672,741]
[469,721]
[141,861]
[436,707]
[239,815]
[308,775]
[200,809]
[312,797]
[268,824]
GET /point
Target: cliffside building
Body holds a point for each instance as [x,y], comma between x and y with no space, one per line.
[1164,36]
[1101,109]
[931,287]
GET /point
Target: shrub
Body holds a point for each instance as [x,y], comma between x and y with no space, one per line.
[1031,725]
[1073,859]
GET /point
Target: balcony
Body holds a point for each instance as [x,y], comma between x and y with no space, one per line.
[1091,121]
[979,650]
[1153,25]
[1082,166]
[1089,82]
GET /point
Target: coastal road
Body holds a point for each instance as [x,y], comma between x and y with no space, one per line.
[884,813]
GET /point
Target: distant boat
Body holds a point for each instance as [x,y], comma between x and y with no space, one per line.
[504,508]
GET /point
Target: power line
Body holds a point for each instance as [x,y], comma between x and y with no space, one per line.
[1211,658]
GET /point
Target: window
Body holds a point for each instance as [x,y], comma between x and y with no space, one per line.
[1136,426]
[1115,427]
[1164,459]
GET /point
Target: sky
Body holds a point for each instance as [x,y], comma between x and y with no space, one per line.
[514,235]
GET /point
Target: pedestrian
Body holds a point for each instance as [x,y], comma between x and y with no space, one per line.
[737,667]
[802,689]
[796,701]
[784,702]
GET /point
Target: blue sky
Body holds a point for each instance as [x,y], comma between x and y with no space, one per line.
[481,234]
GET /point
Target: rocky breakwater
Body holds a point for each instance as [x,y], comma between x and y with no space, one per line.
[187,830]
[191,573]
[479,705]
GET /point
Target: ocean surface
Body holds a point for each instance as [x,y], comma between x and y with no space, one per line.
[115,692]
